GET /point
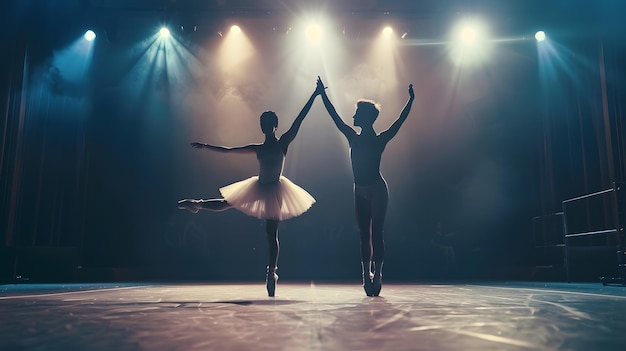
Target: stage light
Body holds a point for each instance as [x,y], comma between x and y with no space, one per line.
[90,35]
[540,36]
[235,51]
[469,42]
[164,32]
[468,34]
[387,31]
[314,33]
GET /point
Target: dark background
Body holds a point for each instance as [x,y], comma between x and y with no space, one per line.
[92,164]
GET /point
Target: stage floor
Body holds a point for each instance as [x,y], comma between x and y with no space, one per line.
[240,316]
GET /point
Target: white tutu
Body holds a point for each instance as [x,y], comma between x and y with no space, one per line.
[278,200]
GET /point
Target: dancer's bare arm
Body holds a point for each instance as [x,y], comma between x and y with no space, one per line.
[246,149]
[395,127]
[341,125]
[289,135]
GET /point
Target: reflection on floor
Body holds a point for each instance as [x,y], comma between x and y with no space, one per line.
[498,316]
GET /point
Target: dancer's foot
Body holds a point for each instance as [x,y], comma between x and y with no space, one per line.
[377,280]
[368,284]
[367,275]
[192,206]
[270,281]
[377,284]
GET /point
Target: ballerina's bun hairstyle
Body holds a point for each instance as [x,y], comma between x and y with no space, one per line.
[269,117]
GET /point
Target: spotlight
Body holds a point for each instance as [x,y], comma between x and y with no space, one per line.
[469,44]
[314,33]
[387,31]
[90,35]
[235,29]
[540,36]
[164,32]
[468,34]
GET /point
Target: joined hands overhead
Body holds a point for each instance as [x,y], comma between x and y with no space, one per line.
[319,90]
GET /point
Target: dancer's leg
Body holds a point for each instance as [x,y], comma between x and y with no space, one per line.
[380,201]
[271,228]
[364,220]
[363,213]
[379,212]
[193,206]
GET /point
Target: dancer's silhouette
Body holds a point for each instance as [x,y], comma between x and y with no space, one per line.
[370,188]
[270,195]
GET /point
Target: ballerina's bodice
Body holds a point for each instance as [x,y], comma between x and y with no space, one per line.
[271,160]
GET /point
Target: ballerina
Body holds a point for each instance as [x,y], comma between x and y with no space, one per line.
[270,195]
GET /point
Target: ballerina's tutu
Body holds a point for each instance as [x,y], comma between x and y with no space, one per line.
[280,200]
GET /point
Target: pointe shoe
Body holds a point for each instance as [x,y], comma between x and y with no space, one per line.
[270,281]
[368,276]
[189,205]
[377,281]
[368,285]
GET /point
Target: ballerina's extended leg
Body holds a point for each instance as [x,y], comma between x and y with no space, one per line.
[193,206]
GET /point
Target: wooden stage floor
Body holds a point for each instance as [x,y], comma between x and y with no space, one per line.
[240,316]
